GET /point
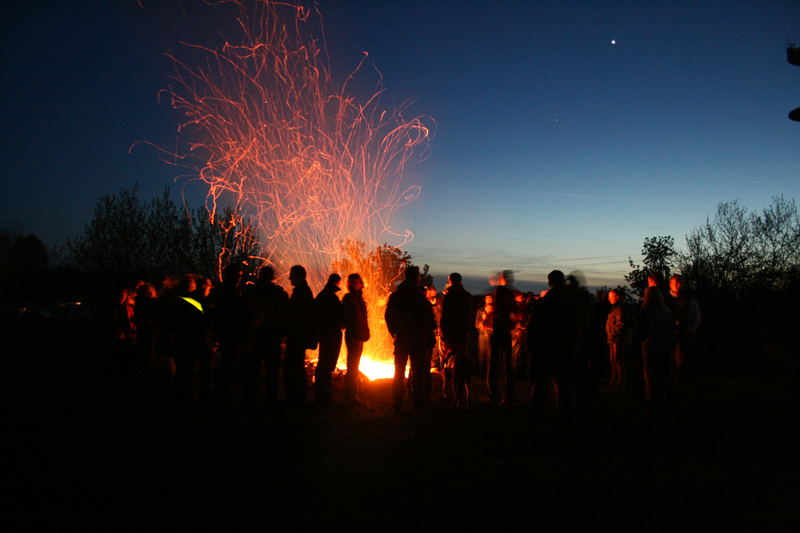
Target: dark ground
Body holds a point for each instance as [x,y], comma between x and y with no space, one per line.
[727,457]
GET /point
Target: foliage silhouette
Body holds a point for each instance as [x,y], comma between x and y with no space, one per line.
[129,239]
[657,254]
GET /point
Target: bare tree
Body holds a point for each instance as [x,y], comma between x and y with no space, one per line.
[129,239]
[776,232]
[738,251]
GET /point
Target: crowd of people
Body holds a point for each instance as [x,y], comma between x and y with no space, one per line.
[202,343]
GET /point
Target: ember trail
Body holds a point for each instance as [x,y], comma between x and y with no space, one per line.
[277,137]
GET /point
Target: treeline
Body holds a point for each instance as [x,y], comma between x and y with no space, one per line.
[129,238]
[24,268]
[743,265]
[744,254]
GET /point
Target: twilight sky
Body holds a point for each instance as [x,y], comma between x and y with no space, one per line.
[554,148]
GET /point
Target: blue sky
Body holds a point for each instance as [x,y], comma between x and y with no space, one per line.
[554,148]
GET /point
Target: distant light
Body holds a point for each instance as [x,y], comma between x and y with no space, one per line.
[613,41]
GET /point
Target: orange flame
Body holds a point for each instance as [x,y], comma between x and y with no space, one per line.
[371,367]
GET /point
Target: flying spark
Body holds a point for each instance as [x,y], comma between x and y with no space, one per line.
[278,137]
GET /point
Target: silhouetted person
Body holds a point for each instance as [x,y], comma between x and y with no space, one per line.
[356,333]
[522,360]
[596,340]
[433,356]
[657,341]
[655,278]
[188,330]
[270,307]
[300,335]
[125,340]
[456,324]
[164,364]
[518,362]
[231,330]
[506,317]
[583,303]
[484,320]
[204,289]
[123,315]
[328,315]
[203,374]
[145,317]
[551,333]
[619,334]
[409,318]
[686,314]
